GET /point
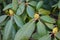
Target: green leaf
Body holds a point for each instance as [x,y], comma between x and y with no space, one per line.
[13,33]
[20,1]
[9,30]
[0,1]
[4,22]
[2,18]
[55,5]
[35,36]
[46,37]
[55,38]
[18,21]
[59,4]
[49,25]
[24,16]
[14,5]
[58,35]
[27,0]
[25,32]
[41,28]
[39,5]
[4,3]
[30,11]
[7,7]
[58,20]
[33,3]
[44,12]
[47,19]
[21,8]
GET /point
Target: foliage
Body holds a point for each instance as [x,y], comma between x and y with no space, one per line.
[30,19]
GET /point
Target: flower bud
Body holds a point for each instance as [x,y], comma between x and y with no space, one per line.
[11,12]
[36,16]
[55,30]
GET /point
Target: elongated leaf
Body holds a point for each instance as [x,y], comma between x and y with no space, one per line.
[21,8]
[2,18]
[58,35]
[30,11]
[13,33]
[7,7]
[55,5]
[47,19]
[49,25]
[4,22]
[46,37]
[24,16]
[8,30]
[58,20]
[55,38]
[25,32]
[33,3]
[59,4]
[39,5]
[14,5]
[18,21]
[44,12]
[20,1]
[40,28]
[27,0]
[36,36]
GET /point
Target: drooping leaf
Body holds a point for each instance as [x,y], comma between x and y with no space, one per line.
[2,18]
[30,11]
[40,28]
[47,19]
[25,32]
[49,25]
[58,35]
[39,5]
[21,8]
[8,30]
[7,7]
[13,33]
[14,5]
[46,37]
[18,20]
[33,3]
